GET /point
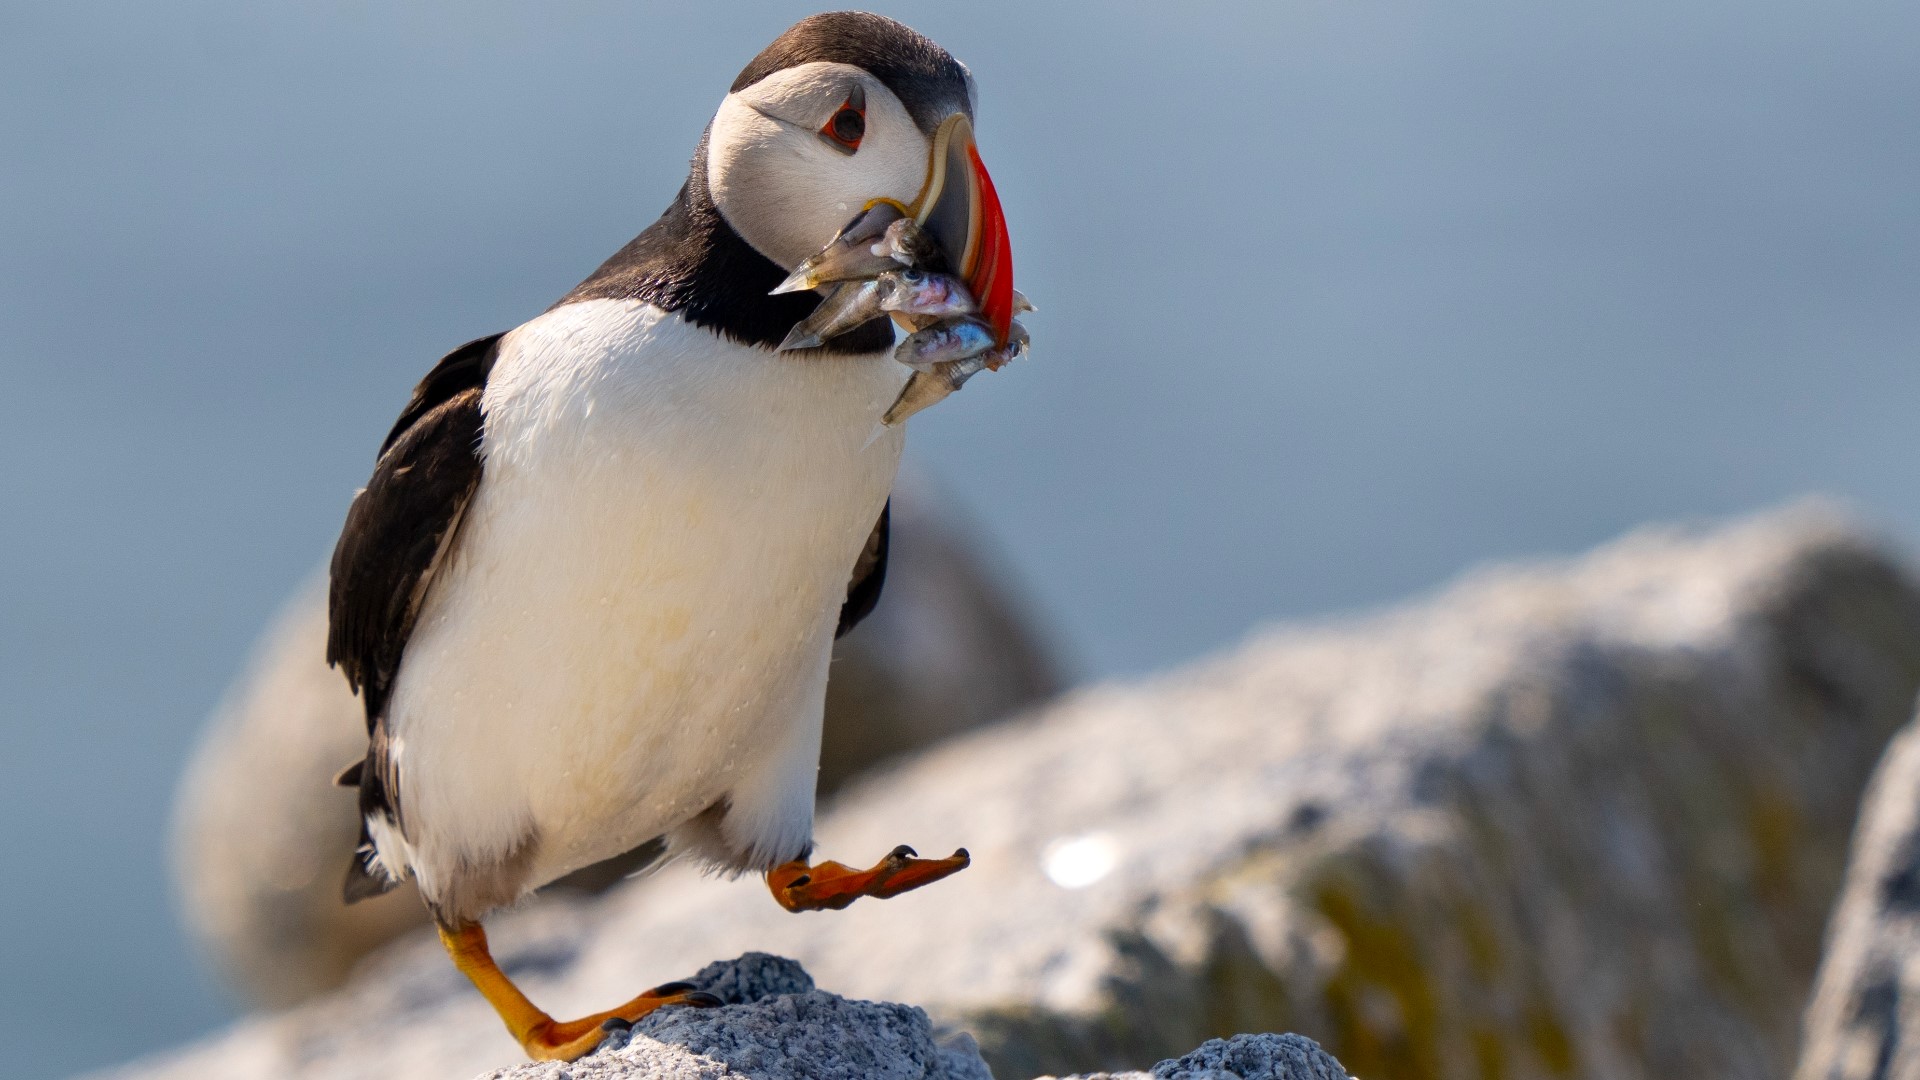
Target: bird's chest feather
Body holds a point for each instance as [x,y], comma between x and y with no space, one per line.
[645,585]
[648,447]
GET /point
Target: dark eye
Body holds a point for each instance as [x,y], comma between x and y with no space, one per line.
[848,124]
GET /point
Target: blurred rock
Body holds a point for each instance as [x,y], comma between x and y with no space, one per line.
[262,836]
[776,1026]
[1864,1021]
[1574,819]
[951,646]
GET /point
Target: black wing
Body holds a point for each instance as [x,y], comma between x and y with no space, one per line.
[398,528]
[869,576]
[397,533]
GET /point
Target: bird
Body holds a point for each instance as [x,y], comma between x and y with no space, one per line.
[589,595]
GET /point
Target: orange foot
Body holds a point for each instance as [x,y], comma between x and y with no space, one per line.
[541,1036]
[831,885]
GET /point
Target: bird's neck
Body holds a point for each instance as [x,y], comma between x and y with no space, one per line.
[692,262]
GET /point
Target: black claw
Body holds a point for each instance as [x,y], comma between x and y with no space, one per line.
[670,989]
[700,999]
[903,852]
[614,1023]
[961,853]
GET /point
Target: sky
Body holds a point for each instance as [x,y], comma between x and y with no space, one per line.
[1339,298]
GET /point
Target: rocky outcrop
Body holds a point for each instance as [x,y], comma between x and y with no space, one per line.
[262,837]
[1864,1020]
[1572,819]
[1243,1057]
[778,1027]
[774,1025]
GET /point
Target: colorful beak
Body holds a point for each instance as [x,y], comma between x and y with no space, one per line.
[958,208]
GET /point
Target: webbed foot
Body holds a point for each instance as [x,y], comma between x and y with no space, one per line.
[541,1036]
[799,886]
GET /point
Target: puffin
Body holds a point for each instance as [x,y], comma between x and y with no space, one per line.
[589,595]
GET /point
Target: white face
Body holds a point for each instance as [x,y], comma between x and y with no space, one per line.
[782,180]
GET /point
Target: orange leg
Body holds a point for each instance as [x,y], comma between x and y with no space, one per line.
[800,887]
[540,1035]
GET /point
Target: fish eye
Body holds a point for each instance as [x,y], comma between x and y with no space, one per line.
[849,123]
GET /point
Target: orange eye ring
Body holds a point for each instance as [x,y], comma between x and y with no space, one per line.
[848,124]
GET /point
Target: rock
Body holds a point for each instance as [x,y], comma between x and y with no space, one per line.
[262,836]
[1253,1057]
[1243,1057]
[775,1026]
[1569,819]
[1864,1020]
[950,648]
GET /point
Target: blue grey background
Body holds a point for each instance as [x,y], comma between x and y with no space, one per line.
[1339,297]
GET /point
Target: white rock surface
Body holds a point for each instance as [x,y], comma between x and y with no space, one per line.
[1573,819]
[1864,1020]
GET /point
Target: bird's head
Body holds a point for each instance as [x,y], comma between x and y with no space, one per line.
[845,109]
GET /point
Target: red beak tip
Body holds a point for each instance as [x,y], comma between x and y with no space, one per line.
[992,277]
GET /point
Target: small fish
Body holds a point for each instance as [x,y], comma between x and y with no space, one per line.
[846,305]
[919,292]
[906,244]
[944,342]
[861,250]
[930,386]
[1018,340]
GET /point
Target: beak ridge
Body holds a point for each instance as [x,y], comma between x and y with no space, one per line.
[959,208]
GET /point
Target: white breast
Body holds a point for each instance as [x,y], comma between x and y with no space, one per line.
[637,618]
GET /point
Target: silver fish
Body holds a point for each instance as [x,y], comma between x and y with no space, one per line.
[929,387]
[944,342]
[846,305]
[861,250]
[905,243]
[1017,343]
[919,292]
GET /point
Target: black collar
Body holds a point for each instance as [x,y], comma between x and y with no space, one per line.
[693,263]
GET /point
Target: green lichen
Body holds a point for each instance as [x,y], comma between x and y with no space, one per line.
[1382,958]
[1489,1053]
[1550,1043]
[1483,945]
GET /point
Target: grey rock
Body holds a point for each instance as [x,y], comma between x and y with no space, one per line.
[1569,819]
[775,1026]
[752,977]
[1243,1057]
[262,837]
[950,648]
[1864,1020]
[813,1036]
[1253,1057]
